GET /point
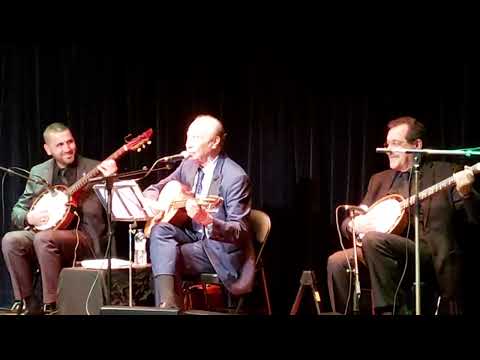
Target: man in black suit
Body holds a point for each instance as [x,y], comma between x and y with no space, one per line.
[389,258]
[218,241]
[52,250]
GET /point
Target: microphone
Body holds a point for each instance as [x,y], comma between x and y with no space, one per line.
[28,176]
[357,210]
[177,157]
[397,150]
[383,150]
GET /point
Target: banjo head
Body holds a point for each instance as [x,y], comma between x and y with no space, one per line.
[386,213]
[56,202]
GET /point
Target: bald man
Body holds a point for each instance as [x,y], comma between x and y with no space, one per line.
[211,241]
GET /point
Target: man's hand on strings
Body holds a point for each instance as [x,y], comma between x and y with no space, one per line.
[197,213]
[464,180]
[108,167]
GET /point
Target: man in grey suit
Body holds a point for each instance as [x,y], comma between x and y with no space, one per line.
[218,241]
[52,250]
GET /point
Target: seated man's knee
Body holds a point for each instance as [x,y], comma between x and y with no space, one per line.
[14,240]
[372,240]
[42,237]
[337,262]
[162,231]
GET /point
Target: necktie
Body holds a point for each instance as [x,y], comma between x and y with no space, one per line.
[402,183]
[200,175]
[62,174]
[198,190]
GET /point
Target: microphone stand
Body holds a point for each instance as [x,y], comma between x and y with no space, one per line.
[109,187]
[416,165]
[41,181]
[416,169]
[356,297]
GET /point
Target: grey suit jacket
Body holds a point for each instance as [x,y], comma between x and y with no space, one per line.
[229,246]
[90,209]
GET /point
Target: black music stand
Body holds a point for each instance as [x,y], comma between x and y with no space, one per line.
[127,205]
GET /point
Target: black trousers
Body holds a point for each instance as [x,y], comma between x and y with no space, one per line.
[385,262]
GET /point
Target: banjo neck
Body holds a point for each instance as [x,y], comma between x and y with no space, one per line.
[442,185]
[83,181]
[136,144]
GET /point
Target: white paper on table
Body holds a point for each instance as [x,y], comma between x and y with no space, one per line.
[103,264]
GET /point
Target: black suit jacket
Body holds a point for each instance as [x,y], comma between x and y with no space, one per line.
[443,214]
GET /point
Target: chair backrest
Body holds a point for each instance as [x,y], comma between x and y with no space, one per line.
[260,224]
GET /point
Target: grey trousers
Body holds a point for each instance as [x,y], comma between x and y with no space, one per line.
[51,250]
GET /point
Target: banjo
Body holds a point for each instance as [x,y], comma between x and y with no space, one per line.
[61,201]
[389,214]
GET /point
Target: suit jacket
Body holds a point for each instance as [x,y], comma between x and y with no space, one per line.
[92,216]
[443,215]
[229,246]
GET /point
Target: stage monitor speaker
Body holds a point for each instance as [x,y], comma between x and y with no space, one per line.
[136,310]
[204,312]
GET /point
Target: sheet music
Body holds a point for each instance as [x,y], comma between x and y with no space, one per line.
[127,201]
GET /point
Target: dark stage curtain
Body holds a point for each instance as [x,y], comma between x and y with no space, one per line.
[304,127]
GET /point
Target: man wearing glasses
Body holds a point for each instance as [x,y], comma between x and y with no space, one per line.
[387,260]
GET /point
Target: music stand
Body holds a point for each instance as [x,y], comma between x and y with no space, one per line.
[128,205]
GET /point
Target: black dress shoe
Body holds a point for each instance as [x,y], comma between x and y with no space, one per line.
[50,309]
[17,307]
[32,311]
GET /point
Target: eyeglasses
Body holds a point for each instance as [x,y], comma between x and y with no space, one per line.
[395,143]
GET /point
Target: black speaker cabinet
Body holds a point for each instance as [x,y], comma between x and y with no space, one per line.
[84,291]
[204,312]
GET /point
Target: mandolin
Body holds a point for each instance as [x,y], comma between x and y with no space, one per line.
[171,202]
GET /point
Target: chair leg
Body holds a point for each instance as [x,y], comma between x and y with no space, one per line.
[438,305]
[229,299]
[205,295]
[239,305]
[265,290]
[372,303]
[187,299]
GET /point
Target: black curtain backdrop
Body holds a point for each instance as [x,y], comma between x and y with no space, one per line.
[304,127]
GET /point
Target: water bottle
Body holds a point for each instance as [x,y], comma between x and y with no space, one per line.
[140,257]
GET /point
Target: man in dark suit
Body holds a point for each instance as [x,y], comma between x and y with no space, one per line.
[218,241]
[389,258]
[51,250]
